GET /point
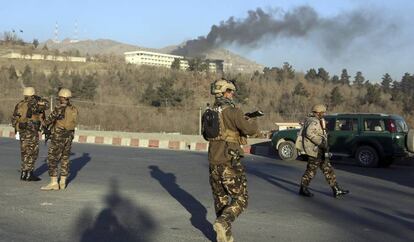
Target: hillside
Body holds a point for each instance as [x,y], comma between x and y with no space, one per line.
[235,62]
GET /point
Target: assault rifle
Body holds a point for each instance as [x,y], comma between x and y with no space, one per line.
[254,114]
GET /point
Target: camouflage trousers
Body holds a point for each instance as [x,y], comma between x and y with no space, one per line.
[229,186]
[29,148]
[313,165]
[59,150]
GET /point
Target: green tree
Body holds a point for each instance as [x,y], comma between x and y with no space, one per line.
[335,97]
[311,75]
[197,65]
[176,64]
[242,92]
[323,75]
[335,79]
[12,73]
[300,90]
[386,82]
[27,76]
[35,43]
[359,79]
[344,77]
[286,72]
[54,81]
[149,95]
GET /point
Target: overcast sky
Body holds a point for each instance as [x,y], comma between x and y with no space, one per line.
[383,44]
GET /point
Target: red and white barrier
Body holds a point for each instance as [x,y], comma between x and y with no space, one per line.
[172,144]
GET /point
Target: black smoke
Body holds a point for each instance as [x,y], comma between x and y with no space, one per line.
[261,27]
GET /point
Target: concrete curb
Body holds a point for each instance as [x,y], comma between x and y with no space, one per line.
[145,140]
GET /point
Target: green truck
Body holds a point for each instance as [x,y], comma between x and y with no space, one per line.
[372,139]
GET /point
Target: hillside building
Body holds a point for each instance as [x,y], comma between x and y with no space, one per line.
[15,55]
[166,60]
[154,59]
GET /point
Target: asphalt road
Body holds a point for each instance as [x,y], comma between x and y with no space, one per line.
[132,194]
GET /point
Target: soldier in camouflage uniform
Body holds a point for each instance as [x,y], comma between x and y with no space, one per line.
[227,174]
[313,142]
[26,120]
[62,122]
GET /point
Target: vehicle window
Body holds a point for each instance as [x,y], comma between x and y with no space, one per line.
[346,124]
[330,124]
[401,125]
[376,125]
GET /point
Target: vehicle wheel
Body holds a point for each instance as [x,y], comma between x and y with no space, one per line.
[287,151]
[367,156]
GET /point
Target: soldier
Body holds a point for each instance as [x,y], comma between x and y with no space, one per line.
[62,121]
[26,120]
[227,174]
[312,141]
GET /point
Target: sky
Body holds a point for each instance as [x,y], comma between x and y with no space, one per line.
[383,45]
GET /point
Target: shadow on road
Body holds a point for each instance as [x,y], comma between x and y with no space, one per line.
[398,174]
[277,181]
[120,220]
[76,165]
[193,206]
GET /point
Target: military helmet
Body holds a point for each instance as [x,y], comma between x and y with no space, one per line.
[319,108]
[64,92]
[221,86]
[28,91]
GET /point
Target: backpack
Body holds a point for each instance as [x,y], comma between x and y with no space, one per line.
[210,124]
[213,127]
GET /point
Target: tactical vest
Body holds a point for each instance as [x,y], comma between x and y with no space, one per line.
[22,110]
[70,119]
[226,134]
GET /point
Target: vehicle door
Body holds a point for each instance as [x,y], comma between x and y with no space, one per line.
[343,136]
[374,131]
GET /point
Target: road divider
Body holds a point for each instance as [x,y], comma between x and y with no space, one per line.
[151,140]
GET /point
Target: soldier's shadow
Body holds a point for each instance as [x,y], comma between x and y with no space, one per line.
[120,220]
[193,206]
[75,166]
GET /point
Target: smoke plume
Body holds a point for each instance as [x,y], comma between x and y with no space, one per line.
[332,34]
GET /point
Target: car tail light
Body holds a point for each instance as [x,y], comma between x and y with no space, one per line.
[391,126]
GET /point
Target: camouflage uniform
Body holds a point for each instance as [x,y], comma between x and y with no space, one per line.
[61,143]
[28,125]
[313,142]
[227,174]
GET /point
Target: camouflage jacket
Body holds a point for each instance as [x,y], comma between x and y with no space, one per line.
[234,120]
[311,137]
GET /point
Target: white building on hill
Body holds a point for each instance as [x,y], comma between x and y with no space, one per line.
[154,59]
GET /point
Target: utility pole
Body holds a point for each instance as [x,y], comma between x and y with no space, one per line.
[199,120]
[51,103]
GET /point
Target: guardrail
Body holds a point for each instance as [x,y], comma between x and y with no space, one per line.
[148,140]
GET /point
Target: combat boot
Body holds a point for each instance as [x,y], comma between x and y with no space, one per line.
[220,231]
[53,185]
[23,175]
[337,191]
[305,192]
[62,182]
[31,177]
[230,238]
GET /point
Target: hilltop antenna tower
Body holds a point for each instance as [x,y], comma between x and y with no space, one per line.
[56,40]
